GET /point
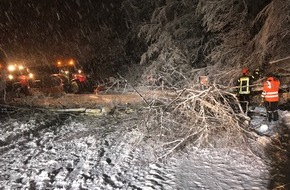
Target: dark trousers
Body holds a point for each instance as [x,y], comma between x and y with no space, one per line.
[244,101]
[272,111]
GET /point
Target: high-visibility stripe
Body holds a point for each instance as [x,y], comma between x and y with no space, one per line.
[271,92]
[274,96]
[244,85]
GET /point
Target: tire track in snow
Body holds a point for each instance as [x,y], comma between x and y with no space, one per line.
[96,155]
[222,169]
[125,166]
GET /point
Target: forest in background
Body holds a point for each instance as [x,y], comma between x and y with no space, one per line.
[214,38]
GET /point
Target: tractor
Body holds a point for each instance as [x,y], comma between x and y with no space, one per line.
[72,77]
[17,78]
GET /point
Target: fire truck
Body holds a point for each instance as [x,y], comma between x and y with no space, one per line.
[17,78]
[72,77]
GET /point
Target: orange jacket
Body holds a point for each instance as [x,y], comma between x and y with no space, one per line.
[271,90]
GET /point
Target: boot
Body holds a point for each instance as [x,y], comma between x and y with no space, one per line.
[269,116]
[276,116]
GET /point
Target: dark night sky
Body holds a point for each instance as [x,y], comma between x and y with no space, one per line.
[46,29]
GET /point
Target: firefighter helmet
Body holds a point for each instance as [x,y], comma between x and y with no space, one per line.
[245,71]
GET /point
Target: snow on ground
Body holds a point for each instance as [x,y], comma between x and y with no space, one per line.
[260,124]
[43,151]
[222,169]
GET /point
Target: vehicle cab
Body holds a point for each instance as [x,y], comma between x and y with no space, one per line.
[73,78]
[17,78]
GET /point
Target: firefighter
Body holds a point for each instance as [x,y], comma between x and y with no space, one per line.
[270,96]
[256,74]
[244,90]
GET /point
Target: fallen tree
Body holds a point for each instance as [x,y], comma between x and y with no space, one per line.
[203,117]
[189,39]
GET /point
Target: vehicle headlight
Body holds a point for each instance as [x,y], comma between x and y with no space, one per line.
[31,76]
[79,71]
[71,62]
[10,77]
[11,68]
[20,67]
[66,72]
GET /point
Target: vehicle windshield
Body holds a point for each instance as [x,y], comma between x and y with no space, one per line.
[69,68]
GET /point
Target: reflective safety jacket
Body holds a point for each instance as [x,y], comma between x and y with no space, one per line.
[271,90]
[244,85]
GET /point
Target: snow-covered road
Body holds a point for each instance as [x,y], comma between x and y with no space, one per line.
[45,151]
